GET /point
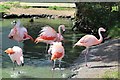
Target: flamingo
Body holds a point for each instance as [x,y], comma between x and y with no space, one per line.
[57,51]
[48,35]
[89,40]
[16,55]
[19,33]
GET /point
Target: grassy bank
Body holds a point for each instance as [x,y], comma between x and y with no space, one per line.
[111,74]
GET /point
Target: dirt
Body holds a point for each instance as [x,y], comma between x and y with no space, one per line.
[42,11]
[107,51]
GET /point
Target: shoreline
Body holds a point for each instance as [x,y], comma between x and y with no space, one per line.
[97,68]
[38,13]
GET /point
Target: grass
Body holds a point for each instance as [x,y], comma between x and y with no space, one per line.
[8,5]
[111,74]
[58,8]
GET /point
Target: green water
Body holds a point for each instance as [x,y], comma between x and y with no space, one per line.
[36,63]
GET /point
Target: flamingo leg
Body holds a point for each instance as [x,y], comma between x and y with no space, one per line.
[60,67]
[46,48]
[46,51]
[60,63]
[54,62]
[87,49]
[14,66]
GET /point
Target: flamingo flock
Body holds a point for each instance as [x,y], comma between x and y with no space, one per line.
[49,36]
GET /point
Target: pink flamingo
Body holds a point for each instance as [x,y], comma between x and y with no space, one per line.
[90,40]
[16,55]
[48,35]
[19,33]
[57,51]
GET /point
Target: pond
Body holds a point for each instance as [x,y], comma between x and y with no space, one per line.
[37,65]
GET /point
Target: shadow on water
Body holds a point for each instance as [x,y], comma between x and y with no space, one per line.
[36,62]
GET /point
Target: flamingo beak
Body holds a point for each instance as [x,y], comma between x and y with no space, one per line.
[63,32]
[22,64]
[104,30]
[36,41]
[74,46]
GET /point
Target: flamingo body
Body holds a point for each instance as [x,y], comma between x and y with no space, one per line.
[19,33]
[47,35]
[57,51]
[88,40]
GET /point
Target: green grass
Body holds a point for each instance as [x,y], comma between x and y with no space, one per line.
[110,74]
[8,4]
[58,8]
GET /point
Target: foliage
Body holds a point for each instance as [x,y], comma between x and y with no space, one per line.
[9,4]
[57,8]
[25,6]
[91,16]
[114,32]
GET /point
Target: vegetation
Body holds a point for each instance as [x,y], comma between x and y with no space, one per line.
[7,5]
[108,75]
[91,16]
[58,8]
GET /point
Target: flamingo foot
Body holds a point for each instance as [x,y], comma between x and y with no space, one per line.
[87,65]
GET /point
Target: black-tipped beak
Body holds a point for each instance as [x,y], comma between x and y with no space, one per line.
[11,37]
[63,32]
[22,64]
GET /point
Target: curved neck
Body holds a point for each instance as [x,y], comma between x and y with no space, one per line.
[101,38]
[59,29]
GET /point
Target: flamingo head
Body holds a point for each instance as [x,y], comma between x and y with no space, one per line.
[102,29]
[37,40]
[14,22]
[76,44]
[12,33]
[63,28]
[9,51]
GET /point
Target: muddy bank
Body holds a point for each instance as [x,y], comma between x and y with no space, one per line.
[108,51]
[39,13]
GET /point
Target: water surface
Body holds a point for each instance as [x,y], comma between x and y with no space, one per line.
[37,65]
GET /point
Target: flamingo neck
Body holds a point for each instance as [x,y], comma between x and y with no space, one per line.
[59,29]
[101,38]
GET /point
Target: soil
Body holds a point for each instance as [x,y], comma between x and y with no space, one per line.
[107,51]
[41,11]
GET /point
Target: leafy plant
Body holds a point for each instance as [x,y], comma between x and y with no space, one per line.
[57,8]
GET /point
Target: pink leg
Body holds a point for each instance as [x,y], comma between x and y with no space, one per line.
[86,57]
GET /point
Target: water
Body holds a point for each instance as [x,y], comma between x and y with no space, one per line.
[36,63]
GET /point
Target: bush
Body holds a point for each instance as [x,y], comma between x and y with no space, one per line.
[57,8]
[91,16]
[25,7]
[114,32]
